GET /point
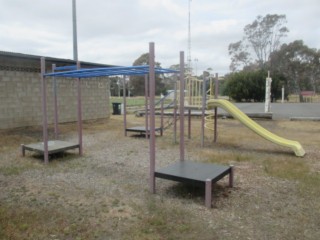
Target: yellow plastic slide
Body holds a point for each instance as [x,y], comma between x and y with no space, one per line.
[244,119]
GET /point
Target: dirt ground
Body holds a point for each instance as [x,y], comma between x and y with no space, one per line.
[104,194]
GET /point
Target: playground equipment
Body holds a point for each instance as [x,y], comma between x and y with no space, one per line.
[146,111]
[184,171]
[54,146]
[48,147]
[195,173]
[255,127]
[198,98]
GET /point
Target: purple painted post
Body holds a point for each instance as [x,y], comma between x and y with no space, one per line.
[152,138]
[44,111]
[231,174]
[161,118]
[189,123]
[23,150]
[124,106]
[181,110]
[146,105]
[204,103]
[208,193]
[175,113]
[56,129]
[216,92]
[79,112]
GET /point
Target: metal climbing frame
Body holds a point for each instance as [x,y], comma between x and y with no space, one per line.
[196,173]
[47,147]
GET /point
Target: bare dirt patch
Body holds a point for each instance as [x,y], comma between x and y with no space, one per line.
[104,194]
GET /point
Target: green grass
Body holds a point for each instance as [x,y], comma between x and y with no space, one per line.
[158,219]
[130,101]
[295,170]
[134,101]
[32,223]
[18,167]
[291,169]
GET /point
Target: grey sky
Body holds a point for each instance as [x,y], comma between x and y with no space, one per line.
[118,32]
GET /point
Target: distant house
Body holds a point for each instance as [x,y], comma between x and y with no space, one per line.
[20,92]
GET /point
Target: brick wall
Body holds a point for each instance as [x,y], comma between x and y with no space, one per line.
[20,98]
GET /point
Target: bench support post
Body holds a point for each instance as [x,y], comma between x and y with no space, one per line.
[231,176]
[208,193]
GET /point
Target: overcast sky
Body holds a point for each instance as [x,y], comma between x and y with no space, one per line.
[118,31]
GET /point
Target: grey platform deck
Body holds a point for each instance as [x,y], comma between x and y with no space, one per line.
[202,174]
[142,130]
[53,147]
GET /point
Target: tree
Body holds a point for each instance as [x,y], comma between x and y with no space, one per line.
[248,86]
[300,65]
[115,85]
[239,55]
[138,82]
[261,38]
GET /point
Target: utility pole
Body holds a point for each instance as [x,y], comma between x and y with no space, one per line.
[189,40]
[75,42]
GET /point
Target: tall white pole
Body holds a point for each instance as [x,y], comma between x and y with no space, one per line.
[75,42]
[268,94]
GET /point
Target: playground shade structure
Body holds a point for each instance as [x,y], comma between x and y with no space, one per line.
[49,147]
[248,122]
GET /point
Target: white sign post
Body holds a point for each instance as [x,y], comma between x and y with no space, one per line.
[268,94]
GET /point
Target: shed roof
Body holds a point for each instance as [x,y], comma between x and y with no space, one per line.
[51,60]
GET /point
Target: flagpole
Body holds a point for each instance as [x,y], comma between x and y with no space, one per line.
[75,42]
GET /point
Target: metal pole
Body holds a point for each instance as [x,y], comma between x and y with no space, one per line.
[75,41]
[189,40]
[203,109]
[124,106]
[146,105]
[216,92]
[208,193]
[161,118]
[189,123]
[152,142]
[44,111]
[181,110]
[175,113]
[79,112]
[56,130]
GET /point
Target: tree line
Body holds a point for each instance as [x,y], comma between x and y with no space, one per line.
[293,65]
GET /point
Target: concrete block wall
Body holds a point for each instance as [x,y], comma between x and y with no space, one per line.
[20,99]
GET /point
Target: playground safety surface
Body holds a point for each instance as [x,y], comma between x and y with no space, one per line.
[104,194]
